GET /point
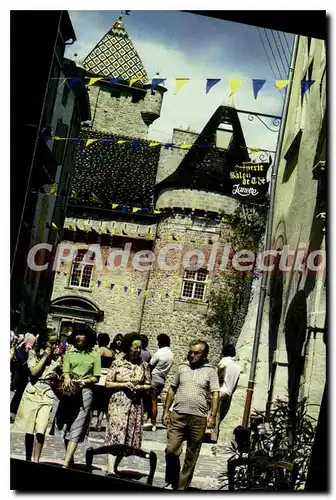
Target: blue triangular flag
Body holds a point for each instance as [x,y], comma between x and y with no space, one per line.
[106,141]
[211,82]
[202,146]
[99,283]
[135,144]
[257,86]
[168,145]
[72,81]
[155,83]
[305,85]
[75,140]
[125,288]
[113,81]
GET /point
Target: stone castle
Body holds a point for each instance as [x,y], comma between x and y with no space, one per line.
[148,196]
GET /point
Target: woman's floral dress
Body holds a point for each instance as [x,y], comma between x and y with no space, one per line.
[125,410]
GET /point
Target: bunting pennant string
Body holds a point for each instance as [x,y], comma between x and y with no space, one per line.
[136,143]
[90,141]
[94,80]
[155,83]
[257,86]
[134,80]
[113,81]
[72,81]
[234,83]
[281,84]
[305,85]
[179,84]
[211,82]
[143,292]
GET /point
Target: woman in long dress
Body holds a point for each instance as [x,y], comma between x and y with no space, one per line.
[37,400]
[129,381]
[73,413]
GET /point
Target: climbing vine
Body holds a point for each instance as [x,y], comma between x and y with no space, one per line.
[230,299]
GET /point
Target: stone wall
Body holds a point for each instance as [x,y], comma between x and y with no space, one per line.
[170,159]
[121,115]
[184,319]
[296,225]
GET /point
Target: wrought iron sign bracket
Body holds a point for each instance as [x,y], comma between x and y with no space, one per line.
[275,119]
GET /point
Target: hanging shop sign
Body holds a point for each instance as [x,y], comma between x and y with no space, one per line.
[249,180]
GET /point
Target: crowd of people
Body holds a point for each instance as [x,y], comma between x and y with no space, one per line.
[83,374]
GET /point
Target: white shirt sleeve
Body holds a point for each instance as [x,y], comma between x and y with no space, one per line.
[153,361]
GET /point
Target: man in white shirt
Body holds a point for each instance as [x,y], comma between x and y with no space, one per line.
[160,365]
[228,374]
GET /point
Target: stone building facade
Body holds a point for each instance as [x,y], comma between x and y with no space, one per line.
[56,109]
[151,198]
[292,349]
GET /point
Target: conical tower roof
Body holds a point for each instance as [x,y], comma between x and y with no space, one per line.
[115,56]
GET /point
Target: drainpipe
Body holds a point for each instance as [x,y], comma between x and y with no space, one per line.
[268,238]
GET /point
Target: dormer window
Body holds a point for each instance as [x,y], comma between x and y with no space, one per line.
[224,135]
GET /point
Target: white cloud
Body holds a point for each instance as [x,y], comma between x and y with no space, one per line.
[192,107]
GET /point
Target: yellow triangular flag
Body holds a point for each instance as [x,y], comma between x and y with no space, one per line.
[185,146]
[132,290]
[94,197]
[57,138]
[146,292]
[118,288]
[280,84]
[159,294]
[154,143]
[254,150]
[148,236]
[93,80]
[115,205]
[157,211]
[73,194]
[105,283]
[90,141]
[53,225]
[135,209]
[71,228]
[101,230]
[85,228]
[235,83]
[180,83]
[53,189]
[116,231]
[133,80]
[121,141]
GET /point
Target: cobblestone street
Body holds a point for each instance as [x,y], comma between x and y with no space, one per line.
[207,471]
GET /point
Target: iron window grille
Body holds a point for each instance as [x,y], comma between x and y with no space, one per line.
[81,272]
[194,284]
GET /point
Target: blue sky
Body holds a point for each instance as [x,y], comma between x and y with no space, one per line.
[179,44]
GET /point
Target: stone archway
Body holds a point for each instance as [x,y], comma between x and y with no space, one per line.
[74,308]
